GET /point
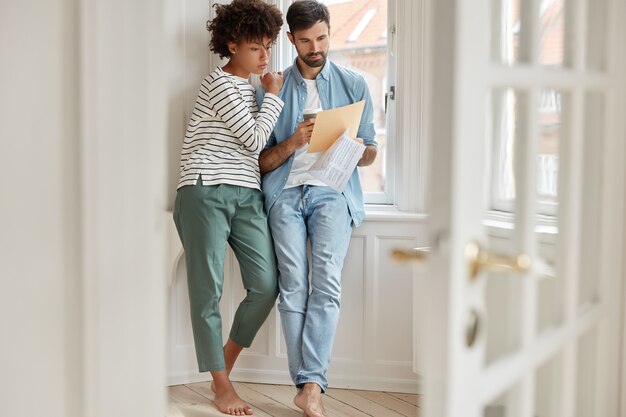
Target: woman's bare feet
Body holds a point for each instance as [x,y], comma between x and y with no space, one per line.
[226,398]
[231,353]
[228,402]
[309,400]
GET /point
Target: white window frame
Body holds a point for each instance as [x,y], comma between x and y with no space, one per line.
[410,147]
[405,161]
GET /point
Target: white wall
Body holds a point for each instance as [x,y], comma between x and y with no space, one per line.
[40,295]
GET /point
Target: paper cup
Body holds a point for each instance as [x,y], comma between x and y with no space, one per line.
[310,113]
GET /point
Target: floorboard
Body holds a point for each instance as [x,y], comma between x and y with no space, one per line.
[196,400]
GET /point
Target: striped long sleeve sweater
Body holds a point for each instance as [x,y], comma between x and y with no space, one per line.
[226,132]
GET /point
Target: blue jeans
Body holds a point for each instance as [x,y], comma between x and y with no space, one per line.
[310,310]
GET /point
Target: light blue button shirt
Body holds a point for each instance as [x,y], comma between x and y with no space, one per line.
[337,86]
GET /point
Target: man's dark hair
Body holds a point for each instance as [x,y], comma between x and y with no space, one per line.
[303,14]
[243,20]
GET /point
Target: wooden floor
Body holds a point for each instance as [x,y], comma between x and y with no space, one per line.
[194,400]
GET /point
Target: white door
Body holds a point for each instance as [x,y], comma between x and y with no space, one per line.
[527,150]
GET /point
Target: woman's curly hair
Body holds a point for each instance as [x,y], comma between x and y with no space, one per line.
[243,20]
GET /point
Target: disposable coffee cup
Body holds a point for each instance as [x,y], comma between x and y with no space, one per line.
[310,113]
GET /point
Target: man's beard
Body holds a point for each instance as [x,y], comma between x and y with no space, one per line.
[314,63]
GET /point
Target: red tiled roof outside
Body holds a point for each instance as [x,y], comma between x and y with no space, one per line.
[552,25]
[345,17]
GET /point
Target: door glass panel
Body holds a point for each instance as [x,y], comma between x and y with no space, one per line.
[586,370]
[550,134]
[591,244]
[506,127]
[550,115]
[508,44]
[549,288]
[552,32]
[502,290]
[549,388]
[596,34]
[503,306]
[507,122]
[508,404]
[507,116]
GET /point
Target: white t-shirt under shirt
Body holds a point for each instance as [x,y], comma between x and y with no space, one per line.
[303,160]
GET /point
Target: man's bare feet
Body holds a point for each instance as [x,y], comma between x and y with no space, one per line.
[309,400]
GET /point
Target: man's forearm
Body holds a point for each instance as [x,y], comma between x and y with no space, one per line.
[272,158]
[368,156]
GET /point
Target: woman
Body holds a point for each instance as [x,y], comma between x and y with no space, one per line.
[219,193]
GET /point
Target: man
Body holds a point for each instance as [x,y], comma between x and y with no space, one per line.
[301,208]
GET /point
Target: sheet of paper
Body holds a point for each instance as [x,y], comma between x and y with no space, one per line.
[335,166]
[330,124]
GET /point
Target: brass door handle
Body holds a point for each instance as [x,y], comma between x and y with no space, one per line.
[415,255]
[480,259]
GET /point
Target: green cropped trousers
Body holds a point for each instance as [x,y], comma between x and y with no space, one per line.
[207,218]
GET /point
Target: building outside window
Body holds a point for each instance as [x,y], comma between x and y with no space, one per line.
[359,41]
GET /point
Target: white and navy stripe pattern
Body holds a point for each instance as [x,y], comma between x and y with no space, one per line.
[226,132]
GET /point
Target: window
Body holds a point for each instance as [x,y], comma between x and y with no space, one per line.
[359,41]
[364,37]
[359,35]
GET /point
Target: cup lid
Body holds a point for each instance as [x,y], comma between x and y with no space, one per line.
[311,111]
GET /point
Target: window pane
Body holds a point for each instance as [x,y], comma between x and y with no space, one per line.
[359,41]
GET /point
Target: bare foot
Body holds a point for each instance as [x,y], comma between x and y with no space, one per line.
[228,402]
[226,399]
[309,400]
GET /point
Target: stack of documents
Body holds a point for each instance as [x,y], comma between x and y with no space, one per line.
[333,134]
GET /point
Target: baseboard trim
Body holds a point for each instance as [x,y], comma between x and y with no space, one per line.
[408,386]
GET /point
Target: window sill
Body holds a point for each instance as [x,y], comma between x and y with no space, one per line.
[389,213]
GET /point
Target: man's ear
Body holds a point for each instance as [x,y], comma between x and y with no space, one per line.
[290,36]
